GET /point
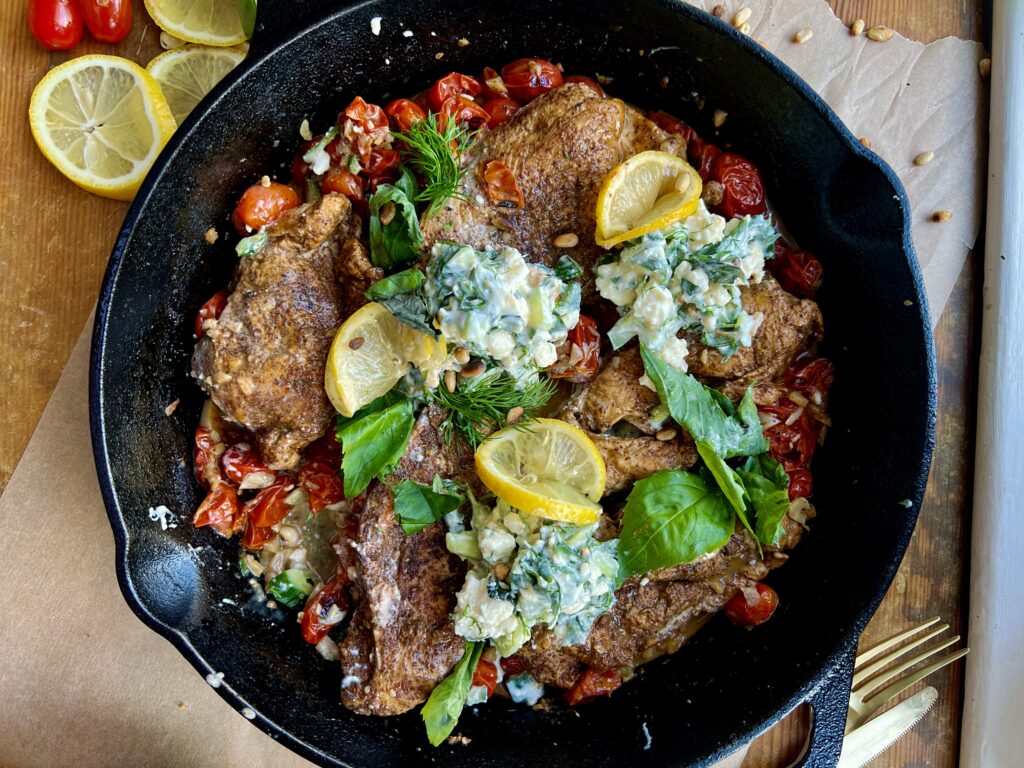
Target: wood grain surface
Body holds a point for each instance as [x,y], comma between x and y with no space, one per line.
[56,239]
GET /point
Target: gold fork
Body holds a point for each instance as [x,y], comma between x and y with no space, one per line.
[869,671]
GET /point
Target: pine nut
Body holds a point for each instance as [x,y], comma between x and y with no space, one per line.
[745,28]
[387,213]
[449,380]
[514,415]
[567,240]
[501,571]
[880,34]
[803,35]
[941,217]
[461,355]
[741,17]
[473,369]
[985,68]
[718,11]
[356,343]
[665,435]
[924,158]
[857,28]
[865,141]
[720,117]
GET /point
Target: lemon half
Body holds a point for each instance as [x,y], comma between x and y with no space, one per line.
[102,120]
[647,192]
[547,468]
[188,73]
[210,22]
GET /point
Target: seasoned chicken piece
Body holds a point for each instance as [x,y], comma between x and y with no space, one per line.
[790,326]
[356,274]
[560,148]
[628,459]
[616,394]
[262,361]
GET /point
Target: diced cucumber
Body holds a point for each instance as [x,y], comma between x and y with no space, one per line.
[292,587]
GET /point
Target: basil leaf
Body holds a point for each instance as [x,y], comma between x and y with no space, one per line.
[372,445]
[706,413]
[382,402]
[402,295]
[567,269]
[400,239]
[767,486]
[247,246]
[418,506]
[727,480]
[400,282]
[247,13]
[441,711]
[672,517]
[407,183]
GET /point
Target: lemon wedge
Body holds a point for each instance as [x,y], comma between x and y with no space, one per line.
[210,22]
[647,192]
[188,73]
[102,120]
[371,351]
[547,468]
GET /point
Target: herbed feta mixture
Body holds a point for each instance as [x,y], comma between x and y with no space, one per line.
[687,277]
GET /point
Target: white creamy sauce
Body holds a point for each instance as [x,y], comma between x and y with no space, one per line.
[164,516]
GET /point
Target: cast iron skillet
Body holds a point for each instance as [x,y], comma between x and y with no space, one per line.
[728,685]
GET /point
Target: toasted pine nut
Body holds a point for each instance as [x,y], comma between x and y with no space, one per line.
[449,380]
[720,117]
[924,158]
[940,217]
[865,141]
[473,369]
[665,435]
[567,240]
[356,343]
[514,415]
[880,34]
[803,35]
[501,571]
[461,355]
[718,11]
[857,28]
[387,213]
[741,17]
[745,28]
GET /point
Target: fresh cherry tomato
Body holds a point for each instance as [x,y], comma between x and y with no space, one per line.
[580,356]
[403,114]
[369,117]
[500,109]
[325,609]
[220,510]
[255,536]
[462,110]
[811,376]
[452,84]
[205,455]
[744,190]
[797,271]
[268,507]
[671,124]
[591,84]
[321,484]
[801,483]
[745,614]
[344,182]
[501,185]
[593,683]
[259,206]
[526,79]
[486,674]
[211,310]
[109,21]
[241,460]
[56,24]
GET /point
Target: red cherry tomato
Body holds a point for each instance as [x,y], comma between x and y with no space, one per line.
[383,162]
[344,182]
[791,444]
[593,683]
[494,83]
[369,117]
[801,483]
[744,191]
[403,114]
[299,169]
[211,310]
[810,375]
[500,109]
[702,157]
[512,666]
[268,507]
[452,84]
[56,24]
[205,458]
[501,185]
[462,110]
[486,674]
[109,21]
[259,206]
[220,510]
[326,449]
[241,460]
[671,124]
[591,84]
[255,536]
[526,79]
[325,609]
[580,356]
[322,485]
[797,271]
[750,614]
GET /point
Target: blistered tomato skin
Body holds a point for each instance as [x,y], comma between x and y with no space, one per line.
[743,193]
[260,205]
[740,612]
[526,79]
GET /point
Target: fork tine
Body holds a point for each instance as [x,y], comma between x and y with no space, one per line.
[869,671]
[880,698]
[882,647]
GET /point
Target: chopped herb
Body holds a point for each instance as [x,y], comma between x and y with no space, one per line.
[247,246]
[292,587]
[434,152]
[567,269]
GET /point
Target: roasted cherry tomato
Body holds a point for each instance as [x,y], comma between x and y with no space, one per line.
[220,510]
[109,21]
[593,683]
[526,79]
[343,182]
[702,157]
[268,507]
[462,110]
[300,171]
[753,612]
[801,483]
[486,674]
[500,109]
[672,124]
[241,460]
[369,117]
[452,84]
[325,609]
[583,80]
[255,536]
[403,114]
[383,162]
[321,484]
[797,271]
[56,24]
[211,310]
[744,190]
[259,206]
[205,458]
[811,376]
[326,449]
[512,665]
[501,185]
[792,440]
[580,356]
[494,83]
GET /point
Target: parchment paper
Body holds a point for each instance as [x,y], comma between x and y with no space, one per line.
[84,683]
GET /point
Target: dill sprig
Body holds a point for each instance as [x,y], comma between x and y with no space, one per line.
[480,405]
[434,153]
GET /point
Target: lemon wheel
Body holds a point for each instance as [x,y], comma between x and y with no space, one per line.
[188,73]
[547,468]
[209,22]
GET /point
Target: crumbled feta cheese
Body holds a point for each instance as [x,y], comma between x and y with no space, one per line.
[478,616]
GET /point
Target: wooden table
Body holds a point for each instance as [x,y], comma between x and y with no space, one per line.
[56,239]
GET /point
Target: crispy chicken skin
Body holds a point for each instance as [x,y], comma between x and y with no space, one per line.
[262,362]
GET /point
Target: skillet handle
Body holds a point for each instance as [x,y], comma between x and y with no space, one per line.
[275,19]
[828,722]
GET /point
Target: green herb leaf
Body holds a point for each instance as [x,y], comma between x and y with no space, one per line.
[372,445]
[400,239]
[316,157]
[407,183]
[672,517]
[767,486]
[292,587]
[400,282]
[706,413]
[735,246]
[727,480]
[402,295]
[247,246]
[567,269]
[247,12]
[434,153]
[313,192]
[418,506]
[441,711]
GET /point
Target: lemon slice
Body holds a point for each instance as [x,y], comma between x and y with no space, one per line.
[647,192]
[371,351]
[102,121]
[547,468]
[188,73]
[210,22]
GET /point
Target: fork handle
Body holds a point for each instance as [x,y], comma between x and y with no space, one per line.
[829,702]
